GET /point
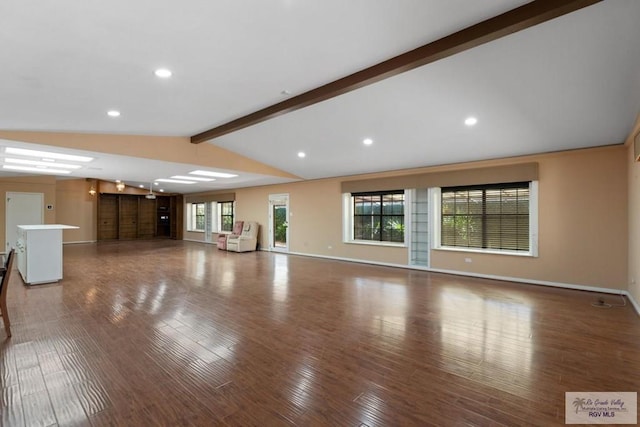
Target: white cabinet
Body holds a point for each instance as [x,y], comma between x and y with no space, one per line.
[39,252]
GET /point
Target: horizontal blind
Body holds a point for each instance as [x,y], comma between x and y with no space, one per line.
[488,217]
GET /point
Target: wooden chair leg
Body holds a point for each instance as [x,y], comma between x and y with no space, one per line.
[5,318]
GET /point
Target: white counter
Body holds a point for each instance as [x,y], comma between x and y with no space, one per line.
[39,252]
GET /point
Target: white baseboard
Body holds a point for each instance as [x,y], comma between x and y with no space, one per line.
[633,303]
[79,242]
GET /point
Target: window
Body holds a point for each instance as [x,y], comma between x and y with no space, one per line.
[493,217]
[378,216]
[196,217]
[225,216]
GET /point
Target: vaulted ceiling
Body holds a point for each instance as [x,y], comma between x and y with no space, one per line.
[570,82]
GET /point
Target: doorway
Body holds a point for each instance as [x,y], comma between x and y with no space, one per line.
[22,209]
[279,222]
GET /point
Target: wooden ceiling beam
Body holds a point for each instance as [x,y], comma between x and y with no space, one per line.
[510,22]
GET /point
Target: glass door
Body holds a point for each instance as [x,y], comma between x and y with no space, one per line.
[279,222]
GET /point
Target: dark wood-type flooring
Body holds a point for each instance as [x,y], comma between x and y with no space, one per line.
[177,333]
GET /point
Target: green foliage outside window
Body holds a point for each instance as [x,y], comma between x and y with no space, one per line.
[379,216]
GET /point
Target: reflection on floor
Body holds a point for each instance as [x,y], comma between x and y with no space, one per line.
[179,333]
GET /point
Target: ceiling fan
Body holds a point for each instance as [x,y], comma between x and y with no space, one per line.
[150,196]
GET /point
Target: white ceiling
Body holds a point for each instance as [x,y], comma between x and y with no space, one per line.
[569,83]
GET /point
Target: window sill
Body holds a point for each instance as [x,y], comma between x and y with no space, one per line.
[486,251]
[195,231]
[375,243]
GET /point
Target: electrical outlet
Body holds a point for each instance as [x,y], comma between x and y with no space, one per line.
[468,260]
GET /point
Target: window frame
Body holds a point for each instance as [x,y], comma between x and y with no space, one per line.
[436,199]
[348,209]
[192,217]
[221,216]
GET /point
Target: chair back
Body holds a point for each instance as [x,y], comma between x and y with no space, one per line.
[4,284]
[250,229]
[237,228]
[8,265]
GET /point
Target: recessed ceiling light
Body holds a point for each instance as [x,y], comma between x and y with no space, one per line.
[46,154]
[155,183]
[216,174]
[39,163]
[36,169]
[285,92]
[163,73]
[162,190]
[470,121]
[367,141]
[302,154]
[175,181]
[113,113]
[192,178]
[141,186]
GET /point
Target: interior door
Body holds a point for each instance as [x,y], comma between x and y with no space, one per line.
[128,217]
[22,209]
[108,217]
[279,222]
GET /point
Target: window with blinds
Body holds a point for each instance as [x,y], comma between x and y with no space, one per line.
[379,216]
[486,217]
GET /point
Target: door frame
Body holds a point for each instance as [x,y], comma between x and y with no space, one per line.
[278,200]
[7,233]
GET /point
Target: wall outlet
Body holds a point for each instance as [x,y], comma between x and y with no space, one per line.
[329,247]
[468,260]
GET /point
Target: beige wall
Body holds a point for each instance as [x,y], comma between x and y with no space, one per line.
[582,222]
[634,220]
[28,184]
[77,207]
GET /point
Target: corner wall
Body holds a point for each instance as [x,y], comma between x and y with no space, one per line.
[77,207]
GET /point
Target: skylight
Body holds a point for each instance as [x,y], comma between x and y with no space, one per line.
[46,155]
[215,174]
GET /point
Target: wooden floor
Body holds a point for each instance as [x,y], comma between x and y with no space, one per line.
[176,333]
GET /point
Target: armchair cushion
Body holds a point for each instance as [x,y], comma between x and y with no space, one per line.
[222,238]
[247,241]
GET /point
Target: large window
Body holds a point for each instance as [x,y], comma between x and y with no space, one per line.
[225,216]
[196,217]
[492,217]
[379,216]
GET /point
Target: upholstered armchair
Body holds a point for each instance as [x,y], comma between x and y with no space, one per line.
[222,238]
[247,241]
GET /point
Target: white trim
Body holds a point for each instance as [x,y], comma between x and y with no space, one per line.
[200,241]
[376,243]
[279,199]
[533,218]
[347,223]
[533,226]
[483,251]
[347,215]
[633,302]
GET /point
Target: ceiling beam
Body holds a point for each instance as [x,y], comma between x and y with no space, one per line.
[515,20]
